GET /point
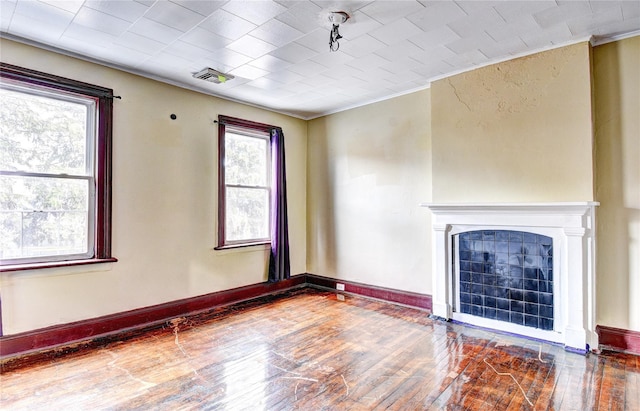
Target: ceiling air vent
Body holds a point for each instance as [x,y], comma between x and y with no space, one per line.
[214,76]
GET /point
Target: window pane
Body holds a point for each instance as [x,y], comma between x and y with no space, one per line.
[246,160]
[41,134]
[247,216]
[43,216]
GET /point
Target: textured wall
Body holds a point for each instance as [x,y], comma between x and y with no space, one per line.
[515,131]
[617,113]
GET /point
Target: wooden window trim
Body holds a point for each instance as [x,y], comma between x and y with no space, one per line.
[103,161]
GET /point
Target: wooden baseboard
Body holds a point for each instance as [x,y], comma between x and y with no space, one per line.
[387,294]
[111,326]
[142,318]
[619,339]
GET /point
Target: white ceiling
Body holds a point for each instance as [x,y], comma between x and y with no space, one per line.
[278,50]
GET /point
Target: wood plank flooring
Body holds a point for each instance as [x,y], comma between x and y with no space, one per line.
[312,350]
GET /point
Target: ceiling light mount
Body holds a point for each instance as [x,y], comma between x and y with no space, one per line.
[336,18]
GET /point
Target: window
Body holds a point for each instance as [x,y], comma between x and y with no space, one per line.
[244,152]
[55,170]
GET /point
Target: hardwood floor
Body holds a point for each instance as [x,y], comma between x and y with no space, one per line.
[309,350]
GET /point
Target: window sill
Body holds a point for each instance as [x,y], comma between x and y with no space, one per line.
[243,245]
[54,264]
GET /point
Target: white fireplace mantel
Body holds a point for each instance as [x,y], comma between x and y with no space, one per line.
[572,227]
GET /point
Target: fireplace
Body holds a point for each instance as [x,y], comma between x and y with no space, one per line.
[523,268]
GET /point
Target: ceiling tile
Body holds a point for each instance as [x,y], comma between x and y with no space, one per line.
[293,53]
[478,6]
[500,50]
[204,8]
[303,16]
[388,11]
[433,38]
[319,80]
[140,43]
[464,60]
[162,61]
[558,15]
[396,32]
[285,76]
[227,25]
[368,62]
[187,51]
[437,53]
[332,58]
[205,39]
[276,33]
[124,55]
[80,46]
[631,10]
[516,10]
[251,46]
[400,52]
[468,44]
[249,72]
[100,21]
[361,46]
[590,23]
[257,12]
[477,23]
[623,28]
[436,15]
[307,68]
[270,63]
[265,83]
[342,72]
[538,39]
[88,35]
[228,59]
[125,10]
[407,63]
[514,28]
[6,12]
[72,6]
[317,39]
[154,30]
[173,15]
[47,31]
[297,87]
[46,13]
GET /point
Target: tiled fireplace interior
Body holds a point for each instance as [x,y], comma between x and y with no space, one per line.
[507,276]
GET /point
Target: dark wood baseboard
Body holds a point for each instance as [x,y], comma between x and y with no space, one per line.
[64,335]
[387,294]
[115,325]
[619,339]
[142,318]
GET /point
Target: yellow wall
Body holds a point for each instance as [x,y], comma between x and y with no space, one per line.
[616,68]
[164,204]
[368,169]
[515,131]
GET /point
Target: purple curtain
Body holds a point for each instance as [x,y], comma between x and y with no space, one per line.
[279,259]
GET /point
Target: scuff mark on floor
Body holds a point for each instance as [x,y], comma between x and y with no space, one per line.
[112,364]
